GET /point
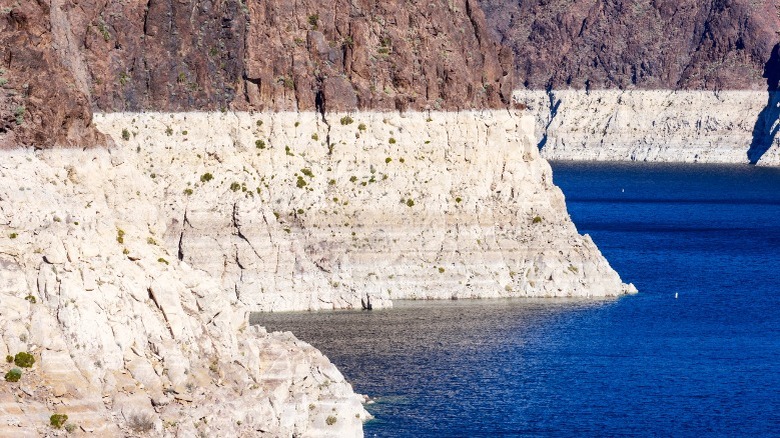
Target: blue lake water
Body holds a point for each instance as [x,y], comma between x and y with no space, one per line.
[707,363]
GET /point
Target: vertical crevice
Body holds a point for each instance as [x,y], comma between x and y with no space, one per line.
[554,105]
[768,123]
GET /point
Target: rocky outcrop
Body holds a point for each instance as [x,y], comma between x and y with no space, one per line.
[632,44]
[657,126]
[306,213]
[42,100]
[61,59]
[127,339]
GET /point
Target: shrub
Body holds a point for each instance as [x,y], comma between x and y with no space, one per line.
[306,171]
[169,131]
[162,260]
[388,160]
[206,177]
[537,220]
[19,113]
[362,127]
[31,299]
[120,235]
[125,134]
[410,203]
[315,137]
[441,270]
[314,21]
[13,235]
[301,183]
[58,420]
[188,192]
[9,358]
[235,186]
[331,420]
[24,359]
[260,144]
[13,375]
[141,422]
[184,133]
[346,120]
[458,199]
[352,178]
[392,140]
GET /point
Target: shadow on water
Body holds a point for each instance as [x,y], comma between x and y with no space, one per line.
[768,122]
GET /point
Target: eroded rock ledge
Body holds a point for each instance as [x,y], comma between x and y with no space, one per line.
[143,260]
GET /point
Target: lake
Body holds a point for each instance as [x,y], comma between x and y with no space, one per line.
[704,363]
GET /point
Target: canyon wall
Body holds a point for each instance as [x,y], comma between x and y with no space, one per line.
[657,126]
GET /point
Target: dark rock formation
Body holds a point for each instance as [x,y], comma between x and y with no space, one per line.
[658,44]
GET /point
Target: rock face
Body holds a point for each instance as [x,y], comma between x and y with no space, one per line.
[657,126]
[627,44]
[129,272]
[127,339]
[42,100]
[306,213]
[61,59]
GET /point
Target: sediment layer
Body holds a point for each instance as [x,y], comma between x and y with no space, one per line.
[657,126]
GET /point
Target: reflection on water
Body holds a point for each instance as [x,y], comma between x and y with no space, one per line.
[425,361]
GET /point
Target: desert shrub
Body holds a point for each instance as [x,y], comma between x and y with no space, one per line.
[346,120]
[125,134]
[13,375]
[260,144]
[188,192]
[120,235]
[162,260]
[537,220]
[458,200]
[58,420]
[13,235]
[306,171]
[206,177]
[31,299]
[141,422]
[362,127]
[315,137]
[388,160]
[9,358]
[301,183]
[331,420]
[235,186]
[169,131]
[392,140]
[24,359]
[410,203]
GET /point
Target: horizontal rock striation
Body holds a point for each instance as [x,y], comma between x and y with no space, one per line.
[657,126]
[307,213]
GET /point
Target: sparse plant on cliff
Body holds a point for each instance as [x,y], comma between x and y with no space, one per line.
[162,260]
[169,131]
[58,420]
[9,358]
[70,427]
[287,151]
[362,127]
[19,114]
[13,375]
[31,299]
[388,160]
[314,20]
[301,183]
[441,270]
[260,144]
[392,140]
[3,81]
[286,82]
[235,186]
[150,240]
[458,199]
[306,171]
[573,269]
[352,178]
[120,235]
[537,220]
[206,177]
[103,29]
[331,420]
[141,422]
[125,135]
[124,78]
[188,192]
[24,359]
[315,137]
[13,235]
[410,202]
[346,120]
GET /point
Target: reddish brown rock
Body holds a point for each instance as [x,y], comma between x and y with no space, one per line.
[661,44]
[41,101]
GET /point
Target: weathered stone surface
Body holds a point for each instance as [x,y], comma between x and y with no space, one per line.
[628,44]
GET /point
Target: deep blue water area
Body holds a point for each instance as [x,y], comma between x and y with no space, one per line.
[704,364]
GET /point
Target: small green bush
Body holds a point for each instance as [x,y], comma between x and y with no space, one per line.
[58,420]
[441,270]
[388,160]
[346,120]
[315,137]
[306,171]
[31,299]
[458,200]
[9,358]
[331,420]
[392,140]
[235,186]
[260,144]
[301,183]
[13,375]
[410,203]
[162,260]
[120,235]
[537,220]
[188,192]
[125,134]
[362,127]
[169,131]
[13,235]
[206,177]
[24,359]
[314,21]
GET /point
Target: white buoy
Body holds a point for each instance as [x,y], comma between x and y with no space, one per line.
[675,295]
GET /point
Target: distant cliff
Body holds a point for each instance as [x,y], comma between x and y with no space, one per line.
[660,44]
[60,60]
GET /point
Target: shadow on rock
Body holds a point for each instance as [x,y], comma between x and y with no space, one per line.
[768,122]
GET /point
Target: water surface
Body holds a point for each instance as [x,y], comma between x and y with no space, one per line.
[705,363]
